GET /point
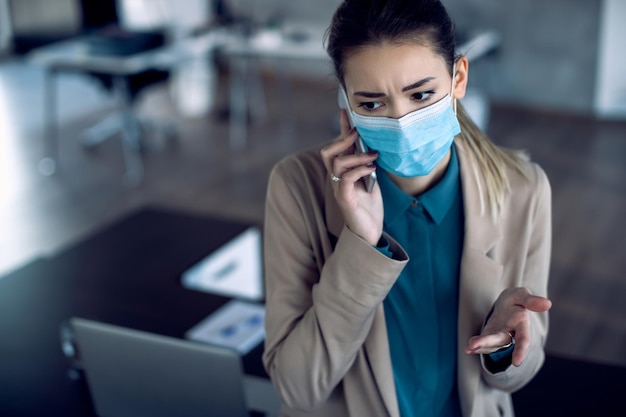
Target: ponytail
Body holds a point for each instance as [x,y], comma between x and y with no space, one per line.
[491,163]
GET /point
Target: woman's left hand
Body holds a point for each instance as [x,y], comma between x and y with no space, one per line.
[510,317]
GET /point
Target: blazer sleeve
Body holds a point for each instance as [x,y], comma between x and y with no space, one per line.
[318,311]
[535,278]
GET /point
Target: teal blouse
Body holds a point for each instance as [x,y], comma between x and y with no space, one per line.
[421,308]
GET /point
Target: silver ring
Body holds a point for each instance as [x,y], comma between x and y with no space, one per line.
[334,178]
[511,343]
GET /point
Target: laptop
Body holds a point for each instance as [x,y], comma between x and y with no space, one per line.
[131,373]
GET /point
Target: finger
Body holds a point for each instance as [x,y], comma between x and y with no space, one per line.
[488,343]
[347,162]
[523,297]
[353,167]
[537,303]
[355,174]
[343,145]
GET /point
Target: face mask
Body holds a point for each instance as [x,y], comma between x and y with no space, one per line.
[414,144]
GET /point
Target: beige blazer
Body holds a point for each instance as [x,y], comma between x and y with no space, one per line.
[326,347]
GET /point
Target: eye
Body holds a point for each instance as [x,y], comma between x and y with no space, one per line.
[371,105]
[423,95]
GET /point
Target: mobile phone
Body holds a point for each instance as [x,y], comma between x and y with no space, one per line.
[342,100]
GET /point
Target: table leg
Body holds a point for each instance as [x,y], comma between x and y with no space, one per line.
[238,103]
[287,114]
[48,164]
[247,99]
[258,101]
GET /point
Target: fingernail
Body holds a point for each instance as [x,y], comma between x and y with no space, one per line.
[372,153]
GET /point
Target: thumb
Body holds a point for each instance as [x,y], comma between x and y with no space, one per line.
[537,303]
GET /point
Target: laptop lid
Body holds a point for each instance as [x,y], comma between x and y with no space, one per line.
[131,373]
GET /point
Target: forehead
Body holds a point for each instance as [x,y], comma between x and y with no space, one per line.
[384,65]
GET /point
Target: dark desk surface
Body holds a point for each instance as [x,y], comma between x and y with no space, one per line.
[571,388]
[129,275]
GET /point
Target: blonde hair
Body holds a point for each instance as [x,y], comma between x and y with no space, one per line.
[492,162]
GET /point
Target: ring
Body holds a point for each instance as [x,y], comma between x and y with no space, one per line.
[334,178]
[511,343]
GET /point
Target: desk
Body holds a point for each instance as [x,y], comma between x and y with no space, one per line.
[74,55]
[301,42]
[573,388]
[127,274]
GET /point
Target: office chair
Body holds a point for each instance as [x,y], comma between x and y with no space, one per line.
[113,40]
[106,36]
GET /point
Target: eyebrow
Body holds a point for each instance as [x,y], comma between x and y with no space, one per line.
[417,84]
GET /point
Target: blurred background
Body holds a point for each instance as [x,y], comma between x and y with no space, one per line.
[208,95]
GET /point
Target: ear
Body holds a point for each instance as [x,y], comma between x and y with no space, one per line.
[460,79]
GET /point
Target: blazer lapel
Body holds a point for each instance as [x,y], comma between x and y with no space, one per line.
[479,273]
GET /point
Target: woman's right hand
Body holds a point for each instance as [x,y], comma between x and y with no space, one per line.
[362,211]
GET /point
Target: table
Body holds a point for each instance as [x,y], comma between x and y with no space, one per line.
[293,42]
[127,274]
[297,41]
[573,388]
[290,42]
[74,55]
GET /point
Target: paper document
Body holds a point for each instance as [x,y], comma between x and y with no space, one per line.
[237,324]
[234,270]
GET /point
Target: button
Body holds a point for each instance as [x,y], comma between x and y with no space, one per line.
[414,203]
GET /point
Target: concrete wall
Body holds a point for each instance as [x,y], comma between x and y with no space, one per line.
[315,10]
[149,14]
[611,85]
[549,50]
[45,16]
[5,26]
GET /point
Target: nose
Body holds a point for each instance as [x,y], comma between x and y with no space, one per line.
[399,110]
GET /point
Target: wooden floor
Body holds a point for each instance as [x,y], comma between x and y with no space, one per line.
[585,160]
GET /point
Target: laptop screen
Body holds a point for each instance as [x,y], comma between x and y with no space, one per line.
[131,373]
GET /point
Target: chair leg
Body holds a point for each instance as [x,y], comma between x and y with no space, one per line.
[130,135]
[103,130]
[132,129]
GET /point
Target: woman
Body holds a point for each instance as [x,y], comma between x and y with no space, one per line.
[425,296]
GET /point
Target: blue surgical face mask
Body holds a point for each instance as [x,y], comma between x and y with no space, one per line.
[414,144]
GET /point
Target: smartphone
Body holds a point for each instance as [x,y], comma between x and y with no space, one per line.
[342,100]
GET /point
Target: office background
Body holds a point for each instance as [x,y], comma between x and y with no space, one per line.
[554,86]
